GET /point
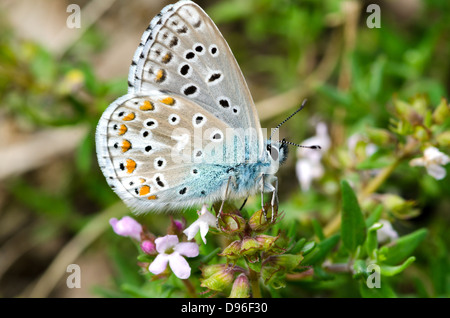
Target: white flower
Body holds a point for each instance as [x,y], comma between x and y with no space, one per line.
[433,160]
[353,140]
[202,224]
[172,251]
[387,232]
[309,168]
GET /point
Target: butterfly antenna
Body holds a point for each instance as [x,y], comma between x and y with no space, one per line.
[279,125]
[300,146]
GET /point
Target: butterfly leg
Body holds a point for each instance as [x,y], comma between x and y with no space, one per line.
[262,198]
[223,202]
[274,201]
[242,206]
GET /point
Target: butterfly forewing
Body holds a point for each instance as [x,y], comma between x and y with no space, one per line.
[184,53]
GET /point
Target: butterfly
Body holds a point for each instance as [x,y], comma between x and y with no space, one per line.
[187,131]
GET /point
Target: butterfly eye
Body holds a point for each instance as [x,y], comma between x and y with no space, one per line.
[273,152]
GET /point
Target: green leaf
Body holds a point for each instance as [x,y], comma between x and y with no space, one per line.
[308,248]
[402,248]
[374,216]
[387,270]
[43,66]
[145,258]
[298,246]
[371,243]
[197,262]
[353,227]
[385,291]
[360,269]
[321,251]
[256,266]
[318,230]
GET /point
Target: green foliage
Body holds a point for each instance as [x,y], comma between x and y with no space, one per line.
[353,227]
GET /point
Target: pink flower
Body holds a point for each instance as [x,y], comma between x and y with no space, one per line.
[127,226]
[172,251]
[148,247]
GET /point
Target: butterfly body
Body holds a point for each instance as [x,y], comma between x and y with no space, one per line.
[187,132]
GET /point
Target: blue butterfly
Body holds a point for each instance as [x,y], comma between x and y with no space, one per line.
[187,132]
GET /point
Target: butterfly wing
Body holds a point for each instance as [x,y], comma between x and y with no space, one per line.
[161,151]
[183,52]
[171,141]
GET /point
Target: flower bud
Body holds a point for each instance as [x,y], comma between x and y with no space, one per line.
[443,139]
[442,112]
[232,251]
[401,208]
[275,268]
[420,105]
[231,223]
[148,247]
[241,287]
[127,226]
[378,136]
[258,222]
[209,270]
[219,280]
[420,133]
[286,261]
[403,109]
[250,246]
[267,242]
[176,227]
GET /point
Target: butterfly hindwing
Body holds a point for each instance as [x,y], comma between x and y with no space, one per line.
[160,148]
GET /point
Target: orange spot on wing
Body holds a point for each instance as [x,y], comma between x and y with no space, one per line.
[126,145]
[147,106]
[167,58]
[122,130]
[152,197]
[160,75]
[144,190]
[130,165]
[168,101]
[142,180]
[129,117]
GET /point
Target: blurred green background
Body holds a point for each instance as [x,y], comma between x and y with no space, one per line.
[56,81]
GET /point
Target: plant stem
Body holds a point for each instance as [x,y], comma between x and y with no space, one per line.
[300,276]
[190,288]
[378,180]
[338,268]
[254,281]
